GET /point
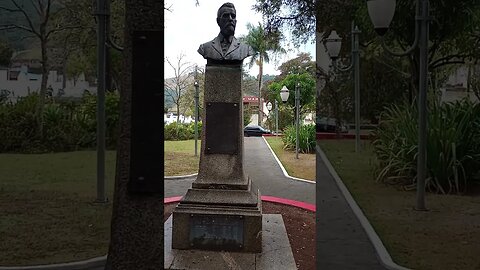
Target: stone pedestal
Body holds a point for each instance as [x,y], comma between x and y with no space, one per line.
[276,252]
[222,210]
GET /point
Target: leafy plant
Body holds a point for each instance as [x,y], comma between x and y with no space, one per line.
[306,138]
[68,125]
[177,132]
[453,145]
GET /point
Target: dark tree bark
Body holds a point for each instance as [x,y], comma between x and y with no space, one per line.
[137,219]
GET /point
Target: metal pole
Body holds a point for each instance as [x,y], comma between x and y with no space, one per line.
[196,117]
[356,58]
[422,106]
[276,117]
[101,70]
[297,105]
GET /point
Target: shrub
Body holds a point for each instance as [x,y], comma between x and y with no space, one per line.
[87,118]
[191,129]
[306,138]
[18,126]
[177,132]
[453,145]
[68,125]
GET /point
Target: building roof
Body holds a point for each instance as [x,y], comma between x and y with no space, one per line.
[250,99]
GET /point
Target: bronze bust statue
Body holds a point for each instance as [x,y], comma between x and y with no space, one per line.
[225,48]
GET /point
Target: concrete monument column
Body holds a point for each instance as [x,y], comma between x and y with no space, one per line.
[222,209]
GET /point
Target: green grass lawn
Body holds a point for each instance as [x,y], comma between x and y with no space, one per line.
[180,157]
[303,167]
[446,237]
[47,214]
[47,209]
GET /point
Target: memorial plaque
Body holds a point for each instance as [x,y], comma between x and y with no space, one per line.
[216,232]
[222,128]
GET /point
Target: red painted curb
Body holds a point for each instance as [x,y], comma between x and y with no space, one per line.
[172,199]
[333,136]
[303,205]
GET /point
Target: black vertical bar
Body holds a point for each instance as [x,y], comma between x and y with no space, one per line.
[146,160]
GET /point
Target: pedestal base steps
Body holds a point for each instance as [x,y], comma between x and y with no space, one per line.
[241,209]
[276,251]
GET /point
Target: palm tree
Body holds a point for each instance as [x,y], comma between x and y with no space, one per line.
[264,46]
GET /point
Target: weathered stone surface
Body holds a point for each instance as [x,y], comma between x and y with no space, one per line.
[137,220]
[276,251]
[221,187]
[224,197]
[222,84]
[252,226]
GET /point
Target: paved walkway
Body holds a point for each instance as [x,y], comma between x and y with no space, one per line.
[341,240]
[342,243]
[262,168]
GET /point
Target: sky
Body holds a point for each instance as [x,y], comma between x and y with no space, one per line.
[187,26]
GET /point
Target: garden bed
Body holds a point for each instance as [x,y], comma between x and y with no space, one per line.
[445,237]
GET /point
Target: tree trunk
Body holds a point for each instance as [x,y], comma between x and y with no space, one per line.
[43,86]
[136,240]
[260,75]
[178,112]
[64,71]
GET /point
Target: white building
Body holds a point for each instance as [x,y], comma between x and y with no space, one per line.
[457,84]
[19,83]
[169,118]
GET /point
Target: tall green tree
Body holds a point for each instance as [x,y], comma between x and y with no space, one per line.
[300,64]
[307,91]
[296,16]
[265,46]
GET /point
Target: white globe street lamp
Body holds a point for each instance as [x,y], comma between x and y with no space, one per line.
[381,14]
[333,44]
[284,93]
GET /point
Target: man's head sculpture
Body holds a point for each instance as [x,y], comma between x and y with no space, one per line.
[225,48]
[227,19]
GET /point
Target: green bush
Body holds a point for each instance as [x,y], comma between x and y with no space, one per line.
[177,132]
[68,125]
[87,118]
[453,145]
[18,128]
[191,129]
[306,138]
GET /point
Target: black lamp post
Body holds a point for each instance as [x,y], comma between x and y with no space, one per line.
[276,117]
[196,115]
[381,13]
[333,44]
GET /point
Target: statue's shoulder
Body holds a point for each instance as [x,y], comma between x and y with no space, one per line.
[208,43]
[247,49]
